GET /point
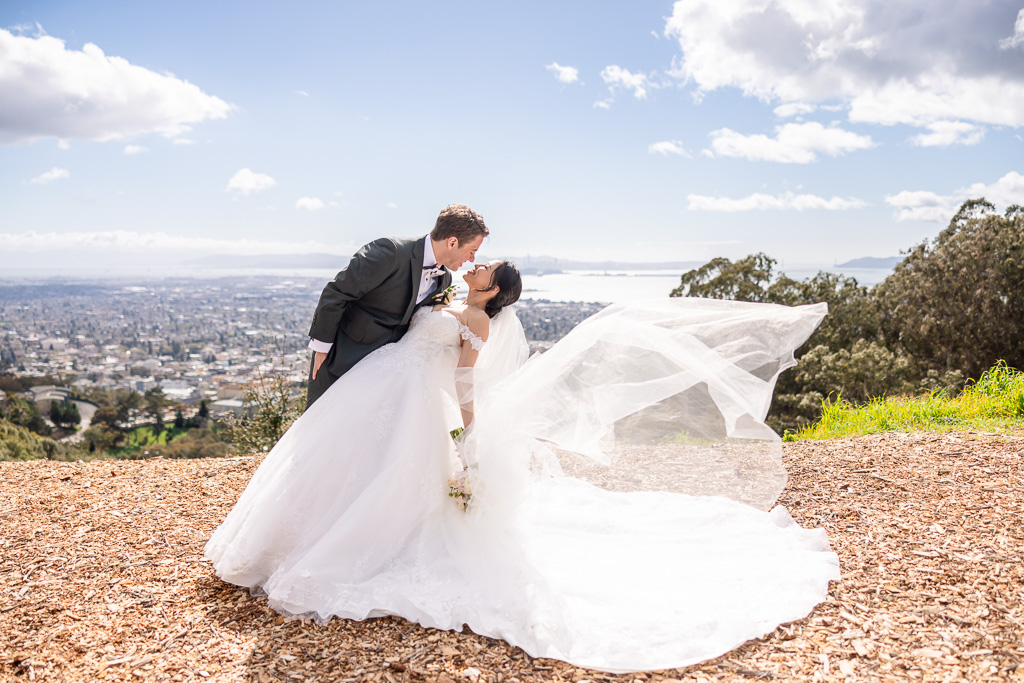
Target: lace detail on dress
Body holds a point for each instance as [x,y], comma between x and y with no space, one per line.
[476,342]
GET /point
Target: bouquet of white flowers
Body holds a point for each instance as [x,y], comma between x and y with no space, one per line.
[459,489]
[458,483]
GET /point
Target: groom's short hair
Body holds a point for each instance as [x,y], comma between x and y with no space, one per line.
[459,221]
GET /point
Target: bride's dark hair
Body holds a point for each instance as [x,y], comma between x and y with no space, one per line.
[509,282]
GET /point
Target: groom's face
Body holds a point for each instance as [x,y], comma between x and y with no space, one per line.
[457,254]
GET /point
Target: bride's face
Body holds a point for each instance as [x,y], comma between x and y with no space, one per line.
[480,275]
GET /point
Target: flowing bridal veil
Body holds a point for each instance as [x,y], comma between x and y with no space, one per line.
[663,395]
[631,465]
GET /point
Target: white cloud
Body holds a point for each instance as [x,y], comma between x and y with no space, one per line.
[135,149]
[764,202]
[300,92]
[921,206]
[929,206]
[63,144]
[1006,191]
[1018,34]
[565,74]
[47,90]
[946,133]
[794,143]
[603,104]
[667,147]
[392,205]
[182,141]
[51,175]
[129,241]
[309,204]
[785,111]
[245,181]
[617,77]
[888,63]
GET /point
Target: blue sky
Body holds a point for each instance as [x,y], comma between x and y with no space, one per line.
[632,131]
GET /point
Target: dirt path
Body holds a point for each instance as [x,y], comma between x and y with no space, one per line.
[102,578]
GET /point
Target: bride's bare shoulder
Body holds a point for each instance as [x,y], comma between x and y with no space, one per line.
[477,322]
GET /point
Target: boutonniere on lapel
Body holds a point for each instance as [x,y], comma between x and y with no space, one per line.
[445,296]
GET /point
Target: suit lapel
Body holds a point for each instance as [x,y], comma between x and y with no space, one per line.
[416,273]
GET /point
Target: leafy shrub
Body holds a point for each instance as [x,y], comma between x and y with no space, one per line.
[269,408]
[860,372]
[18,443]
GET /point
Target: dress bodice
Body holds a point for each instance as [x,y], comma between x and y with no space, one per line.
[438,328]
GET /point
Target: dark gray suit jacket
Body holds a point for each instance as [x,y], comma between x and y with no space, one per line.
[370,302]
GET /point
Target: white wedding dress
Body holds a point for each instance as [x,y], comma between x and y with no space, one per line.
[621,489]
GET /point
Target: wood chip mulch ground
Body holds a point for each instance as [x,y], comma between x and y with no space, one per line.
[102,578]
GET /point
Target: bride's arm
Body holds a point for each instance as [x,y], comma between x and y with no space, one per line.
[478,323]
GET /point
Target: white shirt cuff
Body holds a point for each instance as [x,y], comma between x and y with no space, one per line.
[319,346]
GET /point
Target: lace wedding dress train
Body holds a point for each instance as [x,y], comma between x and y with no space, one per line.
[621,513]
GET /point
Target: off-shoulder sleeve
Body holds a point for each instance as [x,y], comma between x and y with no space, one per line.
[476,342]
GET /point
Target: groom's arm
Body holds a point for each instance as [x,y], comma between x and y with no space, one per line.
[369,267]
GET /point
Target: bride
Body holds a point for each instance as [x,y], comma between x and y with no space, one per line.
[620,485]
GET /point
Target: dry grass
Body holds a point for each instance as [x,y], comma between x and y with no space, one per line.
[102,578]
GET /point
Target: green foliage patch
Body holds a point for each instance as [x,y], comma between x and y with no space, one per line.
[269,409]
[18,443]
[994,402]
[143,437]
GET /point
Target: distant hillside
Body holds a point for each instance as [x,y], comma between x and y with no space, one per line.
[273,261]
[548,264]
[872,262]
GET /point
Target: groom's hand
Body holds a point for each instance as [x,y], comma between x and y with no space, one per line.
[318,360]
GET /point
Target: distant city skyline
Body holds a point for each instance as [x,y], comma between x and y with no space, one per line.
[133,133]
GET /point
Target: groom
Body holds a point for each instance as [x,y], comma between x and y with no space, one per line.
[370,302]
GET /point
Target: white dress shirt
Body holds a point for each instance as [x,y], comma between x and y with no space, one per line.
[428,284]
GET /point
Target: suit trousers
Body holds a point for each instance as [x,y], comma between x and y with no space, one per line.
[315,388]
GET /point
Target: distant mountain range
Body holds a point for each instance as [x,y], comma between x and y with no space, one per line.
[273,261]
[888,262]
[550,264]
[528,264]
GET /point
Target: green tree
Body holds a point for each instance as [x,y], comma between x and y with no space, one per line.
[72,416]
[101,438]
[744,280]
[956,303]
[25,413]
[108,416]
[155,402]
[64,413]
[852,309]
